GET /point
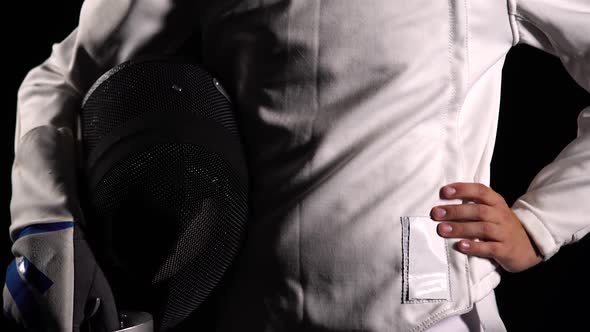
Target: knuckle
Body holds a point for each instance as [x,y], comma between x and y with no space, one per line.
[493,250]
[451,212]
[497,250]
[457,229]
[481,211]
[481,189]
[486,229]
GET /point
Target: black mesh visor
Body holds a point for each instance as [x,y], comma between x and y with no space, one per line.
[165,199]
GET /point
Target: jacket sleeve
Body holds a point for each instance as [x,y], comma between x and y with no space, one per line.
[109,32]
[44,195]
[555,210]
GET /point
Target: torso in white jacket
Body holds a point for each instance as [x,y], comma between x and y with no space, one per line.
[354,114]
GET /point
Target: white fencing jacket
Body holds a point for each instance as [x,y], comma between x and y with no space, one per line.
[354,114]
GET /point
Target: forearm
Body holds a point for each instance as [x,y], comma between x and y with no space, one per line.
[49,98]
[555,208]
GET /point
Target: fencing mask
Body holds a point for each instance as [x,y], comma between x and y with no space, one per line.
[166,185]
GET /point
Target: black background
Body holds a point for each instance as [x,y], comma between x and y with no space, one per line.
[540,103]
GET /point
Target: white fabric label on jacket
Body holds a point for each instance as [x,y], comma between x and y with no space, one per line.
[426,270]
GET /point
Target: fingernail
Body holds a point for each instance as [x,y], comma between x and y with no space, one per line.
[439,212]
[449,191]
[464,245]
[446,228]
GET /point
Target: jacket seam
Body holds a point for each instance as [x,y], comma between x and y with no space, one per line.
[467,40]
[432,319]
[467,83]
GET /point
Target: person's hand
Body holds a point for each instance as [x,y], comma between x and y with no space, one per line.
[55,283]
[487,225]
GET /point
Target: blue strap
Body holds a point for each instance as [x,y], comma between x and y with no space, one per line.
[21,285]
[44,228]
[22,295]
[35,277]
